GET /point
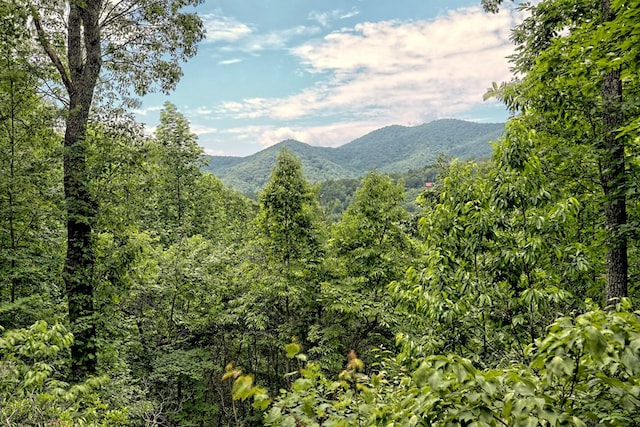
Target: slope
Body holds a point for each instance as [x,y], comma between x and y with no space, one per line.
[389,149]
[249,174]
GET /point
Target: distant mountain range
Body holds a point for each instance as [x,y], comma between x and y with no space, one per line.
[390,149]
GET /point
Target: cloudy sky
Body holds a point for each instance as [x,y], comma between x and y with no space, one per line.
[326,72]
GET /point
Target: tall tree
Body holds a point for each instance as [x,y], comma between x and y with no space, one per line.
[179,169]
[281,277]
[614,174]
[29,173]
[371,235]
[139,41]
[572,63]
[372,244]
[289,233]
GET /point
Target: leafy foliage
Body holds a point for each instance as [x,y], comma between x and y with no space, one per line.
[478,310]
[571,90]
[372,248]
[583,372]
[32,363]
[30,191]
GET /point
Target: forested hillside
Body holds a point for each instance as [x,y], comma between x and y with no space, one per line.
[393,149]
[137,289]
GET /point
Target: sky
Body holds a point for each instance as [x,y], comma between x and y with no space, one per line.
[327,72]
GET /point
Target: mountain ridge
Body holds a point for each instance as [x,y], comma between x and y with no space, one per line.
[393,148]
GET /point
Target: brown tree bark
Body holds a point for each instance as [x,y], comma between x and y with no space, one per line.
[150,65]
[614,181]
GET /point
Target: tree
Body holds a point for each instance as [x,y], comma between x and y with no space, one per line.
[288,229]
[614,175]
[373,248]
[30,197]
[179,169]
[509,246]
[140,41]
[162,284]
[120,160]
[284,267]
[573,62]
[584,371]
[32,391]
[371,235]
[334,196]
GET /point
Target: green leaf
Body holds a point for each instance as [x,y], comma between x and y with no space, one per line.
[595,344]
[420,376]
[630,360]
[578,422]
[242,387]
[435,379]
[291,350]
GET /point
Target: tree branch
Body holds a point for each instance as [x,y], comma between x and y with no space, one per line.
[42,38]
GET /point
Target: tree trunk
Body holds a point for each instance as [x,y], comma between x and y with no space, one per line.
[84,58]
[614,181]
[11,192]
[614,184]
[78,268]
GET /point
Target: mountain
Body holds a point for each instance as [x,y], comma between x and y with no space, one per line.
[249,174]
[390,149]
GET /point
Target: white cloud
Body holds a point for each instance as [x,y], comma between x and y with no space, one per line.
[145,111]
[396,72]
[271,40]
[326,18]
[350,14]
[245,37]
[245,132]
[321,18]
[199,111]
[213,152]
[201,129]
[272,135]
[224,28]
[230,61]
[330,135]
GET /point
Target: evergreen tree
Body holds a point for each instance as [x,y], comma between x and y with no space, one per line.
[179,160]
[289,235]
[373,248]
[278,293]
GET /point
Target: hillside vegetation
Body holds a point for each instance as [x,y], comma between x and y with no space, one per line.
[139,290]
[390,149]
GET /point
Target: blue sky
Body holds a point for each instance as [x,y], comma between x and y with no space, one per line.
[326,72]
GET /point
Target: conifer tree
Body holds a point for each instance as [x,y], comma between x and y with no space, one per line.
[290,235]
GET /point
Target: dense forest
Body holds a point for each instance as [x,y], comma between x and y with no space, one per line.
[137,289]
